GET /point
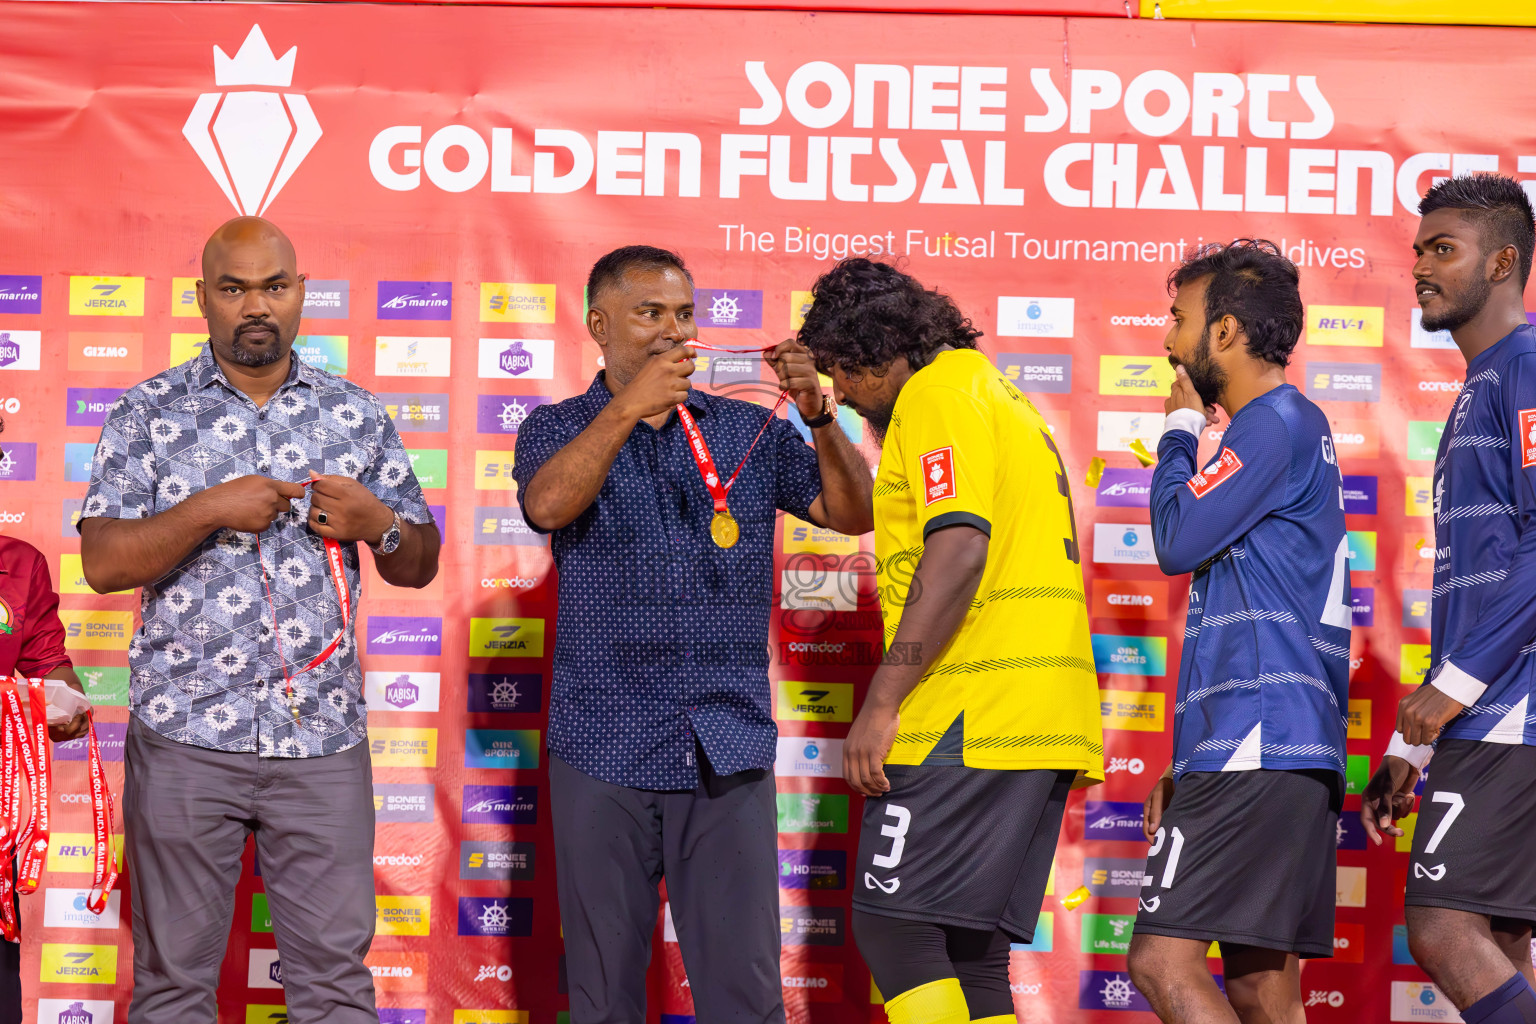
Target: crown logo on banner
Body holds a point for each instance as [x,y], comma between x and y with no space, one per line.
[254,63]
[251,140]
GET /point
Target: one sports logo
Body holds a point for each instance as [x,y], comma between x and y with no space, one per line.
[1149,906]
[871,882]
[1434,874]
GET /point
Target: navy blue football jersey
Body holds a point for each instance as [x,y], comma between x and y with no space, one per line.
[1483,615]
[1264,680]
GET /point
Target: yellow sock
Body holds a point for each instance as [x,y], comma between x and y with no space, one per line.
[1002,1018]
[938,1002]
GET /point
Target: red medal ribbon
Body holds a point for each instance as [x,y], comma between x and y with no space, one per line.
[104,870]
[10,805]
[733,351]
[18,724]
[719,490]
[35,849]
[339,580]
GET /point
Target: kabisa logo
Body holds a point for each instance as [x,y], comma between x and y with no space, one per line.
[74,1011]
[402,692]
[260,135]
[515,359]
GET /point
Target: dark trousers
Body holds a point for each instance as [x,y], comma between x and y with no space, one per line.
[717,847]
[187,814]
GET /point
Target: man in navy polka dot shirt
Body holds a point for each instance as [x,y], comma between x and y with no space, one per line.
[661,732]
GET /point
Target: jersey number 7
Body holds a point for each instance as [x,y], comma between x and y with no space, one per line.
[1074,553]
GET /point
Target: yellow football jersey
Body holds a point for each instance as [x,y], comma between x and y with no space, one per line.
[1016,687]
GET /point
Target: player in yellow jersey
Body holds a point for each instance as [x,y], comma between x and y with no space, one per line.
[985,710]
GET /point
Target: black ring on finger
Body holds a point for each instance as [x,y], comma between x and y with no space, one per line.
[321,518]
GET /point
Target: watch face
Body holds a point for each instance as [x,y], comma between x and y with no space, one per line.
[390,540]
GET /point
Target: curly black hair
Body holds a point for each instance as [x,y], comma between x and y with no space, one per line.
[1497,204]
[1252,281]
[865,313]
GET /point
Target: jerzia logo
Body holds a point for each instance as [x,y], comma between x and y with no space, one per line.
[252,139]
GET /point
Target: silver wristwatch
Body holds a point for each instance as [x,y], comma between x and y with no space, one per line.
[391,539]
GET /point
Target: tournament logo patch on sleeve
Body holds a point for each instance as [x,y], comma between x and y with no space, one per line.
[1526,441]
[1217,473]
[938,475]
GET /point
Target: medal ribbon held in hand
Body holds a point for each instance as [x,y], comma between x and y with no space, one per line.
[26,746]
[722,527]
[34,842]
[339,580]
[104,868]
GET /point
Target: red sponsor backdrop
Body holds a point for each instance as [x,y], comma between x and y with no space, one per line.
[1046,172]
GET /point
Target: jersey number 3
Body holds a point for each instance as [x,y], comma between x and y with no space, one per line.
[1074,553]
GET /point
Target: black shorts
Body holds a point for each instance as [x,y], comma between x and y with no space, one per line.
[1246,858]
[966,847]
[1473,841]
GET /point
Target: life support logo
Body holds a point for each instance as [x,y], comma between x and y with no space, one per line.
[252,138]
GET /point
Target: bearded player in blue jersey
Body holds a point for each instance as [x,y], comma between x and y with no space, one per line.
[1243,822]
[1471,893]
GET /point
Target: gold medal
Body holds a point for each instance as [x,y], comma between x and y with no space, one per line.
[724,530]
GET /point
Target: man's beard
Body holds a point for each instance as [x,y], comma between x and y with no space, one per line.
[1460,313]
[245,356]
[879,420]
[1209,379]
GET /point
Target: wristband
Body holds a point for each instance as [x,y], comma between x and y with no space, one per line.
[1184,419]
[1417,755]
[1457,685]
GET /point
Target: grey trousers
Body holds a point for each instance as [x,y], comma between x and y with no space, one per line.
[187,813]
[717,847]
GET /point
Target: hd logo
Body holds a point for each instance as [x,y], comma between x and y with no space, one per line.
[79,965]
[106,296]
[506,638]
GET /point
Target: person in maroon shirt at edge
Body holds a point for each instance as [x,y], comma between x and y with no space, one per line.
[31,644]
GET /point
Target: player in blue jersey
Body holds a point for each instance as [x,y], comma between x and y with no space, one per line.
[1472,881]
[1243,822]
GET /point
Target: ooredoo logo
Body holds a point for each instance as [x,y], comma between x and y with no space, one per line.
[251,138]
